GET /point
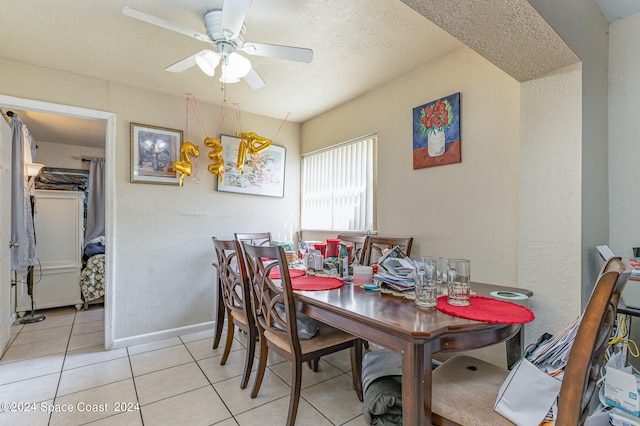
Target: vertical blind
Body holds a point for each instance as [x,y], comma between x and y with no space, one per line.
[337,187]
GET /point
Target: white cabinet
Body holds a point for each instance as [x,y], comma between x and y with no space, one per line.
[59,225]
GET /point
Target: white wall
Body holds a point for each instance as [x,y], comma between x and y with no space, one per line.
[163,277]
[469,209]
[582,26]
[549,198]
[624,128]
[66,156]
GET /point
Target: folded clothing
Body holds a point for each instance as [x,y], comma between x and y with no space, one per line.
[382,405]
[382,387]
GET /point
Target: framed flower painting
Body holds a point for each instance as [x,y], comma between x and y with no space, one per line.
[436,132]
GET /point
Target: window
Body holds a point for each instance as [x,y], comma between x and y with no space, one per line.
[337,187]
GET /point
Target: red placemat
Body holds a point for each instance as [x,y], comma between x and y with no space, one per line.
[316,283]
[488,310]
[293,273]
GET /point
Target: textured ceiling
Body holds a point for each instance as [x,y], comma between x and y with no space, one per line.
[358,45]
[511,34]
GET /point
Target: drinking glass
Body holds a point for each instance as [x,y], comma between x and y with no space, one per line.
[426,282]
[459,276]
[441,274]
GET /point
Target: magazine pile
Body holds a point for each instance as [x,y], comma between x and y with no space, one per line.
[395,271]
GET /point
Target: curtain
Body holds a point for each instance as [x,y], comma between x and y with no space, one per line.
[337,187]
[95,202]
[23,251]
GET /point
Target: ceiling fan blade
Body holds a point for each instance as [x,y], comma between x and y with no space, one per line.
[254,80]
[234,12]
[185,63]
[163,23]
[290,53]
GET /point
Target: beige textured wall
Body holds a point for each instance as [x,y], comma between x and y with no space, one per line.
[512,206]
[163,275]
[549,198]
[468,209]
[583,27]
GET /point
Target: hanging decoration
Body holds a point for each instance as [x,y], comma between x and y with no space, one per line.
[250,142]
[217,162]
[184,166]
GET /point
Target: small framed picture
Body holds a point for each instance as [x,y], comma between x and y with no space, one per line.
[153,151]
[262,173]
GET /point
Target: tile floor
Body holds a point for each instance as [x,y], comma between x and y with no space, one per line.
[58,373]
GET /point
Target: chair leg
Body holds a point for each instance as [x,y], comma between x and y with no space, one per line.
[356,368]
[248,361]
[220,316]
[296,384]
[262,366]
[313,364]
[227,346]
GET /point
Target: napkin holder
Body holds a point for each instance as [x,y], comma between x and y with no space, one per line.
[313,260]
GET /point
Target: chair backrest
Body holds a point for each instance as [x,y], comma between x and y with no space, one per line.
[357,241]
[234,279]
[375,245]
[587,352]
[268,295]
[254,238]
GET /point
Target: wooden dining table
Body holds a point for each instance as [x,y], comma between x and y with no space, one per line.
[397,324]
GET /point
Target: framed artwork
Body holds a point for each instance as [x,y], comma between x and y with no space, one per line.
[436,132]
[262,174]
[153,151]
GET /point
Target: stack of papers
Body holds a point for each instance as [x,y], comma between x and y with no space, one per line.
[552,354]
[396,271]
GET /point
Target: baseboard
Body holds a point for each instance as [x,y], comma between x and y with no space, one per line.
[161,335]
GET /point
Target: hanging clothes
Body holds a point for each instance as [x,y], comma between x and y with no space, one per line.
[23,250]
[95,202]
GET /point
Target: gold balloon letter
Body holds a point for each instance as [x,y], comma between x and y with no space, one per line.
[255,144]
[184,167]
[217,162]
[250,142]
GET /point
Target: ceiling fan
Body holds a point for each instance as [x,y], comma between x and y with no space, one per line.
[225,32]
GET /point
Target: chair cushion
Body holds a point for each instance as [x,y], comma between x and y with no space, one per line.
[327,337]
[239,317]
[465,390]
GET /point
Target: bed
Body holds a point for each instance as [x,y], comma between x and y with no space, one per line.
[92,275]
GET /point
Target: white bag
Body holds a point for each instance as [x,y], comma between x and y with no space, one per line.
[527,394]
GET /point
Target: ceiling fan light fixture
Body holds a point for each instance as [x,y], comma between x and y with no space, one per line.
[228,76]
[208,62]
[239,64]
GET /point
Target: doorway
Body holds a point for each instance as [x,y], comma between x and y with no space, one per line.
[8,102]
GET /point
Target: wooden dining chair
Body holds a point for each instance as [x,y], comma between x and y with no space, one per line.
[357,241]
[254,238]
[266,295]
[236,294]
[464,381]
[374,247]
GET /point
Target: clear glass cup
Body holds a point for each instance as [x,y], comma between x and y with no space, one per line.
[442,274]
[426,282]
[459,281]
